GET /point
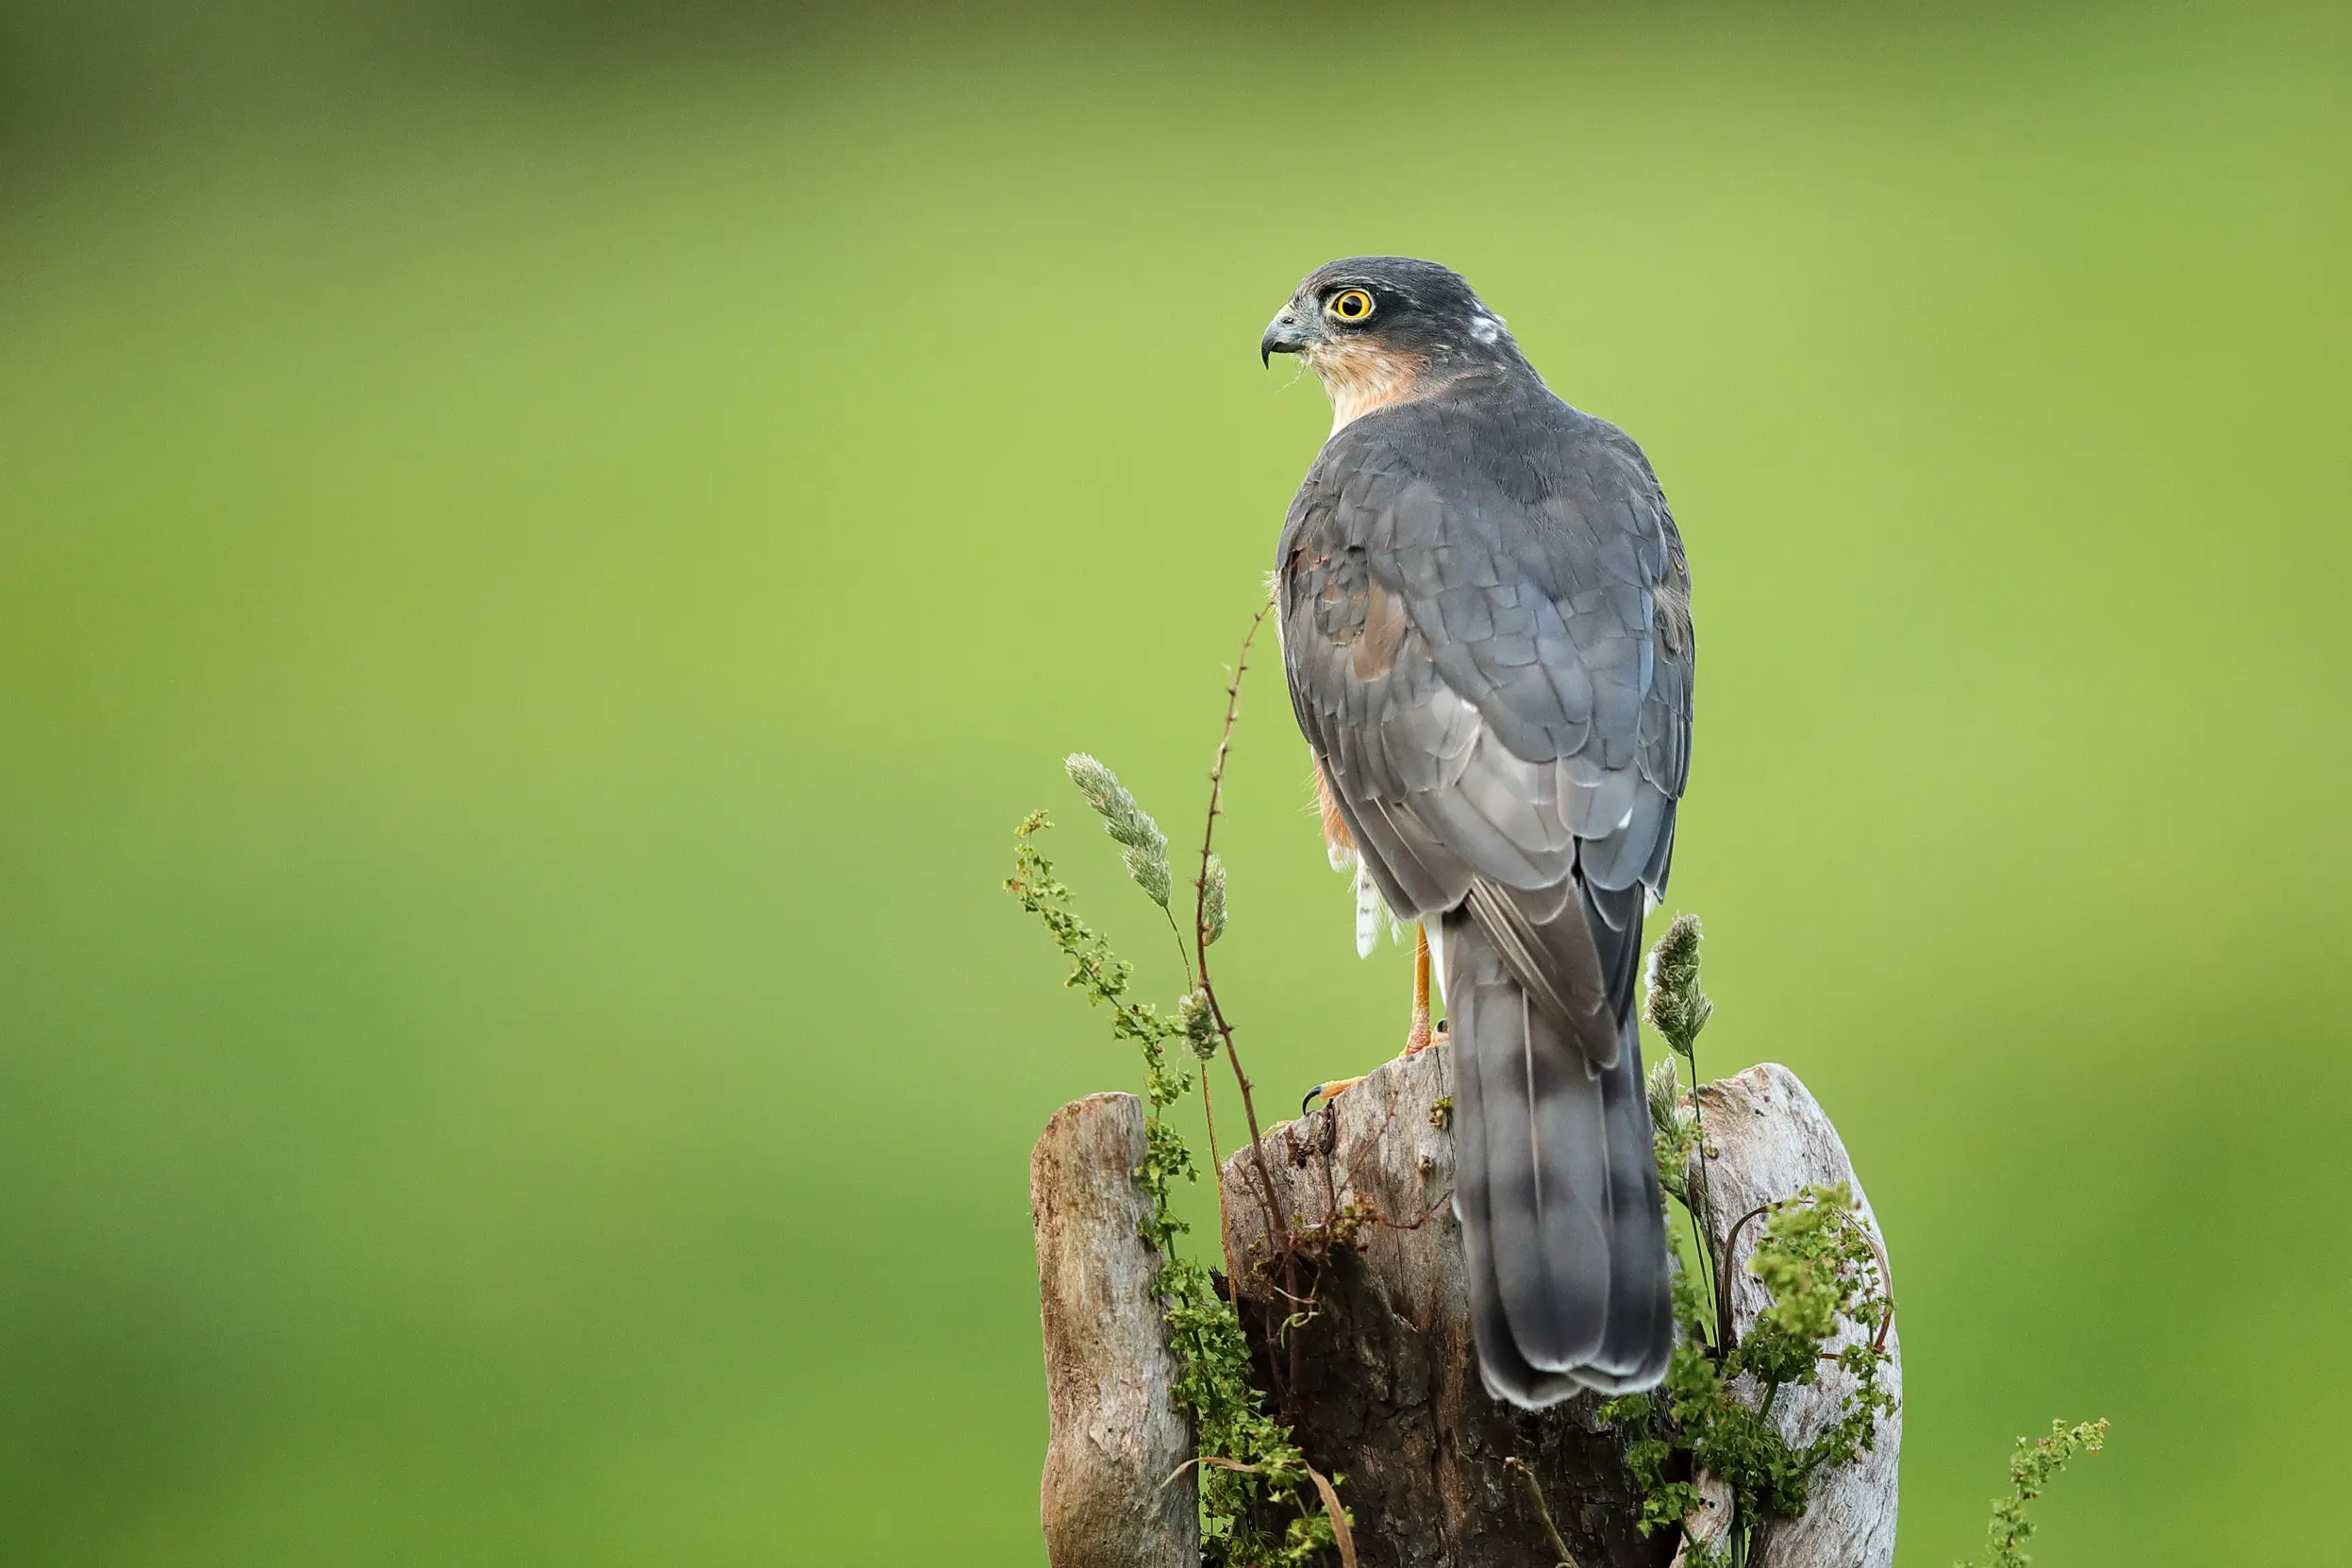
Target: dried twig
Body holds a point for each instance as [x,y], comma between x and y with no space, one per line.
[1426,1215]
[1723,1297]
[1343,1535]
[1542,1510]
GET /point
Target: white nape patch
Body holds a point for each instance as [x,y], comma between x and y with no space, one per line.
[1486,328]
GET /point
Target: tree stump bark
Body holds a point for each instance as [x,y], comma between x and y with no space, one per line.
[1363,1339]
[1116,1435]
[1380,1381]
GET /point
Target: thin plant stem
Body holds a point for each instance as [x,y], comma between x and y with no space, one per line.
[1216,1178]
[1698,1245]
[1184,954]
[1542,1510]
[1707,1272]
[1274,1214]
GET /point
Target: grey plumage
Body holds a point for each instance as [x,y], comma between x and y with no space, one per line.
[1485,624]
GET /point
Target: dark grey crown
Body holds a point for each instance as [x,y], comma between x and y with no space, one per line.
[1418,306]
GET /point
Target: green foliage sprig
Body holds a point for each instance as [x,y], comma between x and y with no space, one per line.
[1819,1267]
[1262,1505]
[2030,1467]
[1250,1469]
[1822,1272]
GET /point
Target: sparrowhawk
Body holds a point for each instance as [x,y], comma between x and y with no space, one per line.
[1484,608]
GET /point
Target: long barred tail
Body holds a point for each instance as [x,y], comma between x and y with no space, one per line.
[1563,1232]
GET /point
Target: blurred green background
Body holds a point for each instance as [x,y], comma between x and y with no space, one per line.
[544,549]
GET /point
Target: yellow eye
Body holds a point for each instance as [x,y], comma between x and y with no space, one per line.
[1355,305]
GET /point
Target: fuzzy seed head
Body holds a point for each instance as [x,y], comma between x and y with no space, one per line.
[1212,902]
[1199,1021]
[1677,1009]
[1147,847]
[1666,1094]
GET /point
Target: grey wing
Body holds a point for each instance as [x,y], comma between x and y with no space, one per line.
[1497,686]
[1499,691]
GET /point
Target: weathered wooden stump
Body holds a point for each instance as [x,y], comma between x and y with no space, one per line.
[1380,1382]
[1364,1341]
[1116,1435]
[1771,1138]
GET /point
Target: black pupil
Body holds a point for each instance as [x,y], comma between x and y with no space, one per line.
[1351,305]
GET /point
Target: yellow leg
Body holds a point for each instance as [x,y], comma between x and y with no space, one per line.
[1417,1037]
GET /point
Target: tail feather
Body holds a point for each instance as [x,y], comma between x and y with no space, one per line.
[1557,1190]
[1501,1368]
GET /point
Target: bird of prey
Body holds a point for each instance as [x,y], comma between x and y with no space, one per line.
[1484,610]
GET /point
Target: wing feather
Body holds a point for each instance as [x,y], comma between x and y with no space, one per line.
[1528,727]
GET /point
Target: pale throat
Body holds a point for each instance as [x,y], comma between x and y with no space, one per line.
[1359,379]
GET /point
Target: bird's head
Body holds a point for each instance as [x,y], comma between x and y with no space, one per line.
[1379,329]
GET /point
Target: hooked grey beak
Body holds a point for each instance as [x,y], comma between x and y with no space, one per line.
[1285,335]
